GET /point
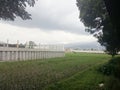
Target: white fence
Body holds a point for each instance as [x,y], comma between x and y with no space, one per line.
[43,52]
[88,51]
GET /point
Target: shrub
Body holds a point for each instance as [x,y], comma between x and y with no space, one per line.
[111,68]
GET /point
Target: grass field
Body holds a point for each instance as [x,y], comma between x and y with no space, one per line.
[75,71]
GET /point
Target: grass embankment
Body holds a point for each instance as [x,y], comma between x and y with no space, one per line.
[107,74]
[74,71]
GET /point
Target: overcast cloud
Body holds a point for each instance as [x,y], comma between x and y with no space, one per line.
[53,15]
[53,21]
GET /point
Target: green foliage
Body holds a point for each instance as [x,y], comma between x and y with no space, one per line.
[9,9]
[90,10]
[110,38]
[112,71]
[111,68]
[94,15]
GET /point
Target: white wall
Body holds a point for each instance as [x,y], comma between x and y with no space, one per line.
[10,54]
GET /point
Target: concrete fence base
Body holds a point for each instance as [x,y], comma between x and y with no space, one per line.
[27,54]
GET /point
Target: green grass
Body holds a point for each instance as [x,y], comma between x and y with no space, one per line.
[74,71]
[86,80]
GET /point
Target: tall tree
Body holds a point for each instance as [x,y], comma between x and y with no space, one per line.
[112,8]
[94,15]
[10,9]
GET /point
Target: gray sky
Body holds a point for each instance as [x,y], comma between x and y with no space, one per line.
[53,21]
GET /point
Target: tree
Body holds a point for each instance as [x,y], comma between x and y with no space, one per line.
[32,44]
[112,8]
[10,9]
[95,17]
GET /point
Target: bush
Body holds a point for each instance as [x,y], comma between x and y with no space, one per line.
[111,68]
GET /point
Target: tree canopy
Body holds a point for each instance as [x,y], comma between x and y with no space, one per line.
[94,15]
[10,9]
[112,8]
